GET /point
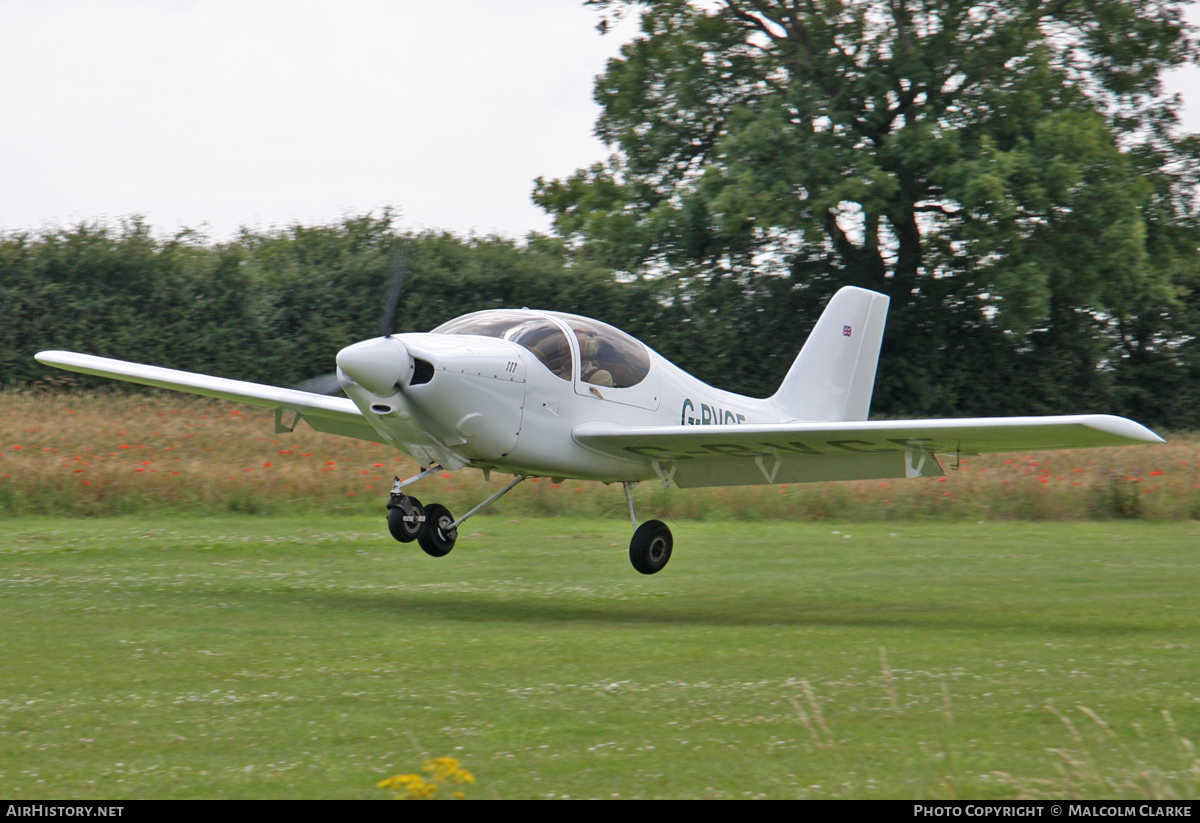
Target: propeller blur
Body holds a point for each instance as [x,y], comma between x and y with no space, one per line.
[539,393]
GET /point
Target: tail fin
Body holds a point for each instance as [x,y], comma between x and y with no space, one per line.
[834,375]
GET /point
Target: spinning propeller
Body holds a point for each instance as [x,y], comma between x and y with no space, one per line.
[396,277]
[328,384]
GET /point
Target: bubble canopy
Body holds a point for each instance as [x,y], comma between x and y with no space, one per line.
[543,337]
[610,358]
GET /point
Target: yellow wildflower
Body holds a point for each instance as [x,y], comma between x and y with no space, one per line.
[448,768]
[416,787]
[409,787]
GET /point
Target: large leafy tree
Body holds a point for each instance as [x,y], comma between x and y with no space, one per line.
[1008,172]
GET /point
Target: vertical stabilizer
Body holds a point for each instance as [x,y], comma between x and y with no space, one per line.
[834,375]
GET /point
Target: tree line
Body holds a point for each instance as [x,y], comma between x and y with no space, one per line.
[270,307]
[276,307]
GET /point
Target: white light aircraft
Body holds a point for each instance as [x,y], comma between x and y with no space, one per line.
[546,394]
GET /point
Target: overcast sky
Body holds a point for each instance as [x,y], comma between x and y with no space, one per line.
[215,114]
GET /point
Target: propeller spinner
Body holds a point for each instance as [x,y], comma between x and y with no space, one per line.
[381,365]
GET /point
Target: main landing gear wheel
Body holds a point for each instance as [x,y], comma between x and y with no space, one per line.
[406,518]
[650,548]
[437,538]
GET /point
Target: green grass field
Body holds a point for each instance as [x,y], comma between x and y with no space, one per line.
[312,657]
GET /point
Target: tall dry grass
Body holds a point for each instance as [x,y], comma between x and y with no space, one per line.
[83,453]
[1152,760]
[1109,765]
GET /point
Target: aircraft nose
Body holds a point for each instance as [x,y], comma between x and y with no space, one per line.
[380,366]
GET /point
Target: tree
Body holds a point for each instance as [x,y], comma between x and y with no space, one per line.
[1008,172]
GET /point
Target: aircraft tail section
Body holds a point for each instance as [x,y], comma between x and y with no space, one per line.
[834,375]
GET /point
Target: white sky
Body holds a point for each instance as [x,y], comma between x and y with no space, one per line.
[216,114]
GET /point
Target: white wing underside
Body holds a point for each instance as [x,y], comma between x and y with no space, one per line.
[746,455]
[333,415]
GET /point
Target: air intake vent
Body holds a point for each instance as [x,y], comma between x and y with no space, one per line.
[422,372]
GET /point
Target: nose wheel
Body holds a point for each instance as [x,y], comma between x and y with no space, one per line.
[406,518]
[433,526]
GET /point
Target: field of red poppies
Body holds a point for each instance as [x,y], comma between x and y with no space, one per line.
[102,454]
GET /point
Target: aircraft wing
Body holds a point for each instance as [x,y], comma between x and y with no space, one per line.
[333,415]
[739,455]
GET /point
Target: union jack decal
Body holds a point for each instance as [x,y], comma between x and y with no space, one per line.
[847,331]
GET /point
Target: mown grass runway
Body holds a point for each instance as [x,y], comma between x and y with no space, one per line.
[312,657]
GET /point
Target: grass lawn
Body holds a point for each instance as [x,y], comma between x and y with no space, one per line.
[314,656]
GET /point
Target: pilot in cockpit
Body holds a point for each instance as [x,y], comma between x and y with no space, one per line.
[592,369]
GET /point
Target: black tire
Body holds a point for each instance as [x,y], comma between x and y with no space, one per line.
[436,538]
[406,531]
[650,548]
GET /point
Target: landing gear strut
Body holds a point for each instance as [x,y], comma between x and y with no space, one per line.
[650,548]
[433,526]
[436,530]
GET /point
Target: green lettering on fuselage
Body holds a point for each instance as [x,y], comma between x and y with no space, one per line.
[709,415]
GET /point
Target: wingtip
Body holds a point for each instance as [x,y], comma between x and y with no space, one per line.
[1124,427]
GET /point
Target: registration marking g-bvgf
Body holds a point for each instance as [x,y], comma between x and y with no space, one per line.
[709,415]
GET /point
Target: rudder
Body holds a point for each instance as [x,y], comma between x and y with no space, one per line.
[834,374]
